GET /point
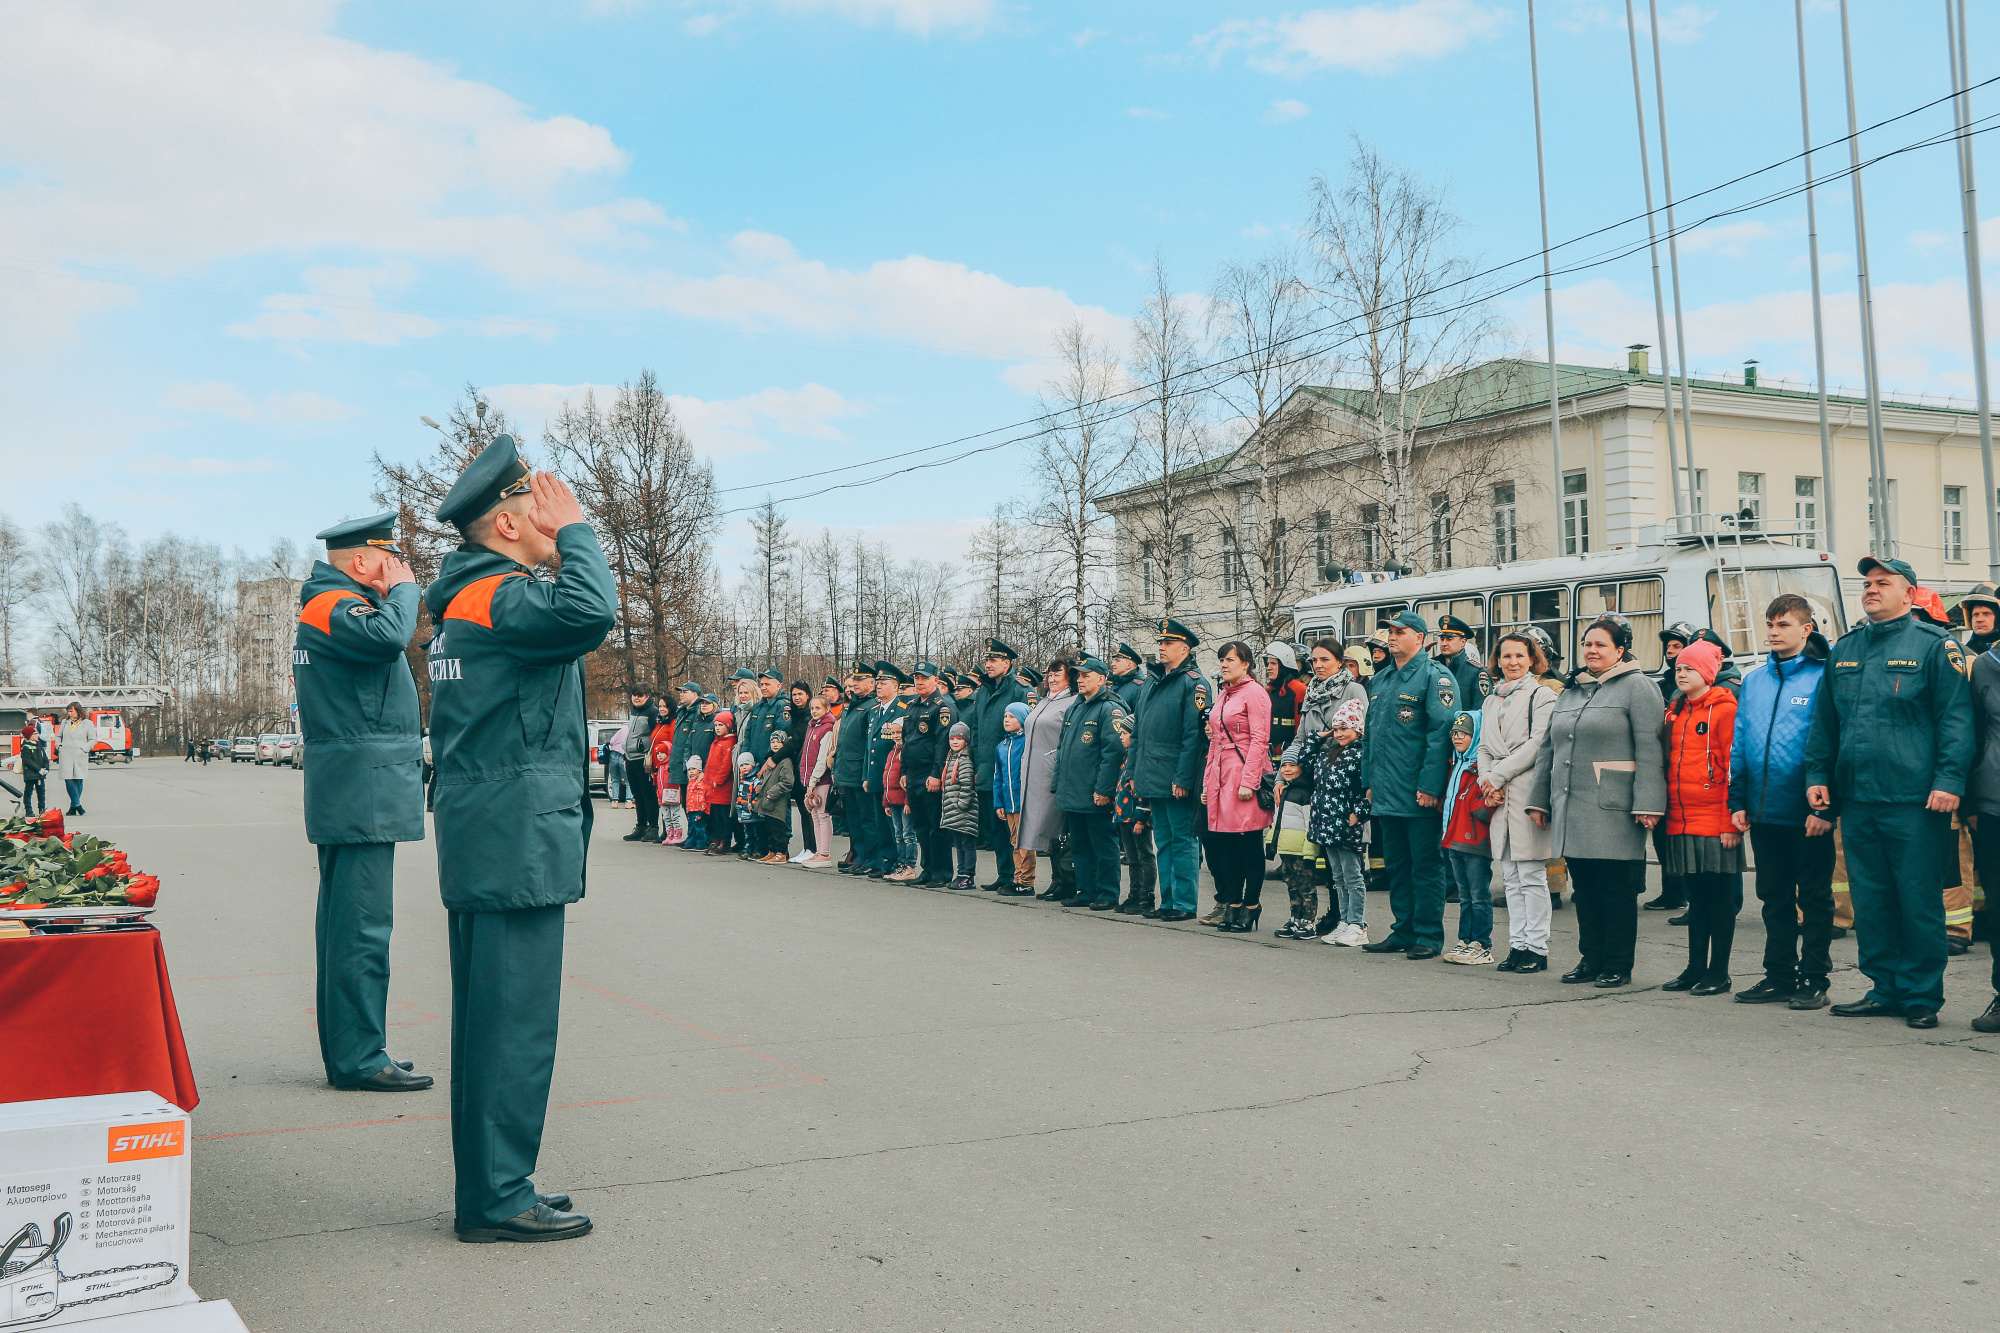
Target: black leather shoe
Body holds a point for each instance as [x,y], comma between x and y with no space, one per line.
[1664,904]
[559,1202]
[1176,916]
[997,885]
[1418,953]
[1531,962]
[1580,974]
[1922,1018]
[1685,981]
[1680,920]
[1016,890]
[1866,1009]
[537,1224]
[1990,1020]
[1135,907]
[1155,913]
[1390,945]
[1954,947]
[1711,986]
[1770,990]
[1613,979]
[404,1064]
[1104,905]
[636,835]
[390,1078]
[1811,995]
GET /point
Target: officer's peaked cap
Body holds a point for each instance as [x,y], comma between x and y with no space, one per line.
[995,648]
[1130,654]
[1453,625]
[486,481]
[865,670]
[375,530]
[1177,632]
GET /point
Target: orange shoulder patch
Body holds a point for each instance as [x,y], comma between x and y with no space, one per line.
[319,611]
[475,600]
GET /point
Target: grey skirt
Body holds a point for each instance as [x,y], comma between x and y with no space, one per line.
[1691,854]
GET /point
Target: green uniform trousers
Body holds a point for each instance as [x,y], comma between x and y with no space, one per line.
[357,907]
[1896,859]
[506,989]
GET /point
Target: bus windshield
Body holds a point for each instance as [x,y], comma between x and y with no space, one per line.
[1737,598]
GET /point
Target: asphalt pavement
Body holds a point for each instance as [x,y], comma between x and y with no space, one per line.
[793,1101]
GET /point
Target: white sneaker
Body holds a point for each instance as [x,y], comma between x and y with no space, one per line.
[1338,935]
[802,858]
[1456,953]
[1468,951]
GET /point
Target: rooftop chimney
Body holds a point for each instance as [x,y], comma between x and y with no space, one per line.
[1635,359]
[1749,374]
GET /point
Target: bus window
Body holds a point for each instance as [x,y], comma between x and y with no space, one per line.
[1740,618]
[1641,601]
[1359,621]
[1472,610]
[1545,608]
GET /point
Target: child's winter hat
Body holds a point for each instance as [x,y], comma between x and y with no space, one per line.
[745,760]
[780,738]
[1352,714]
[1019,712]
[960,732]
[1703,657]
[1290,755]
[1462,723]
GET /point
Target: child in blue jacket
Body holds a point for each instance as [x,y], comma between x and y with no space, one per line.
[1009,769]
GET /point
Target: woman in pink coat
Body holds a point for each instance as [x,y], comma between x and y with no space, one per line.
[1239,754]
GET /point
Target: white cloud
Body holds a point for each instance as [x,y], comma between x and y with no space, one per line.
[919,16]
[717,427]
[227,400]
[1079,40]
[166,465]
[1371,39]
[1286,108]
[1729,238]
[944,306]
[1148,113]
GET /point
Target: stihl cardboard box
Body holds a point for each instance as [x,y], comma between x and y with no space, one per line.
[93,1208]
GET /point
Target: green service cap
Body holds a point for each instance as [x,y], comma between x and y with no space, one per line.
[375,530]
[497,473]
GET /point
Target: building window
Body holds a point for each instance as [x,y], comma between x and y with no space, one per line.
[1506,527]
[1805,508]
[1749,499]
[1954,522]
[1440,531]
[1279,572]
[1323,545]
[1187,566]
[1695,487]
[1146,572]
[1228,561]
[1371,536]
[1576,514]
[1892,531]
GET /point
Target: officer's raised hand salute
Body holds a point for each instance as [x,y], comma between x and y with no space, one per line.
[1891,745]
[513,816]
[364,787]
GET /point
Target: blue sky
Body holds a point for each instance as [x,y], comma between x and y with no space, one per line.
[245,245]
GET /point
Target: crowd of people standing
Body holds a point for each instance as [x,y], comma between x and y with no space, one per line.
[1405,763]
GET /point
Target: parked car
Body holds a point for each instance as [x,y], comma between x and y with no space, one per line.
[219,748]
[288,749]
[267,748]
[243,747]
[601,732]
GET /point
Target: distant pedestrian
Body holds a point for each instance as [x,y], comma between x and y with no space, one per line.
[616,789]
[34,769]
[74,737]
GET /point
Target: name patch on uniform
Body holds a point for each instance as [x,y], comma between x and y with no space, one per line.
[1847,664]
[445,668]
[299,657]
[1900,662]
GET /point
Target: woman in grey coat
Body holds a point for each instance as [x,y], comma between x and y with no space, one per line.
[74,737]
[1600,787]
[1515,724]
[1041,822]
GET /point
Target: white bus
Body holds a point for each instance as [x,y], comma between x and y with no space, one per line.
[1721,581]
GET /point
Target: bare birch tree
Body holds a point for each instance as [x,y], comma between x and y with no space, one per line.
[18,584]
[1168,437]
[1080,456]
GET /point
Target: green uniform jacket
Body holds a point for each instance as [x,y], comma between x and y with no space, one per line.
[1408,747]
[1892,720]
[850,755]
[755,727]
[1473,682]
[880,715]
[993,697]
[926,725]
[1089,756]
[1129,689]
[1167,750]
[358,711]
[693,735]
[511,797]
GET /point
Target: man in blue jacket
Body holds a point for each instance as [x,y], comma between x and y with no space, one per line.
[1767,799]
[1411,703]
[513,816]
[1169,735]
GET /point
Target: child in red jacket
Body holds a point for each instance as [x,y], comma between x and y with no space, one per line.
[1468,854]
[1700,842]
[721,781]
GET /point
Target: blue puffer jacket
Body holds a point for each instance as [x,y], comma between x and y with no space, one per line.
[1767,766]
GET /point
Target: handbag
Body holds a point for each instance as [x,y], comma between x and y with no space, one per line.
[670,796]
[1267,786]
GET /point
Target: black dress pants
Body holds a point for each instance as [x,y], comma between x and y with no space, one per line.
[995,834]
[926,807]
[646,800]
[1713,902]
[1794,880]
[1606,894]
[1236,863]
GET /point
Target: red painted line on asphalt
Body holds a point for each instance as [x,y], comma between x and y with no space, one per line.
[733,1045]
[761,1087]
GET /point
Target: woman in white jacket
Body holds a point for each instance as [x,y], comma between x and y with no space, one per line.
[74,737]
[1514,724]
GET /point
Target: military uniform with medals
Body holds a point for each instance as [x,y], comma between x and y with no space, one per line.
[513,817]
[363,794]
[926,725]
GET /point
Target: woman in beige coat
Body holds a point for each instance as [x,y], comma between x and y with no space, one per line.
[74,737]
[1515,723]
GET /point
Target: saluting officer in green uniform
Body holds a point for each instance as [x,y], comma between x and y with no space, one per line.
[364,789]
[1892,744]
[1411,702]
[513,816]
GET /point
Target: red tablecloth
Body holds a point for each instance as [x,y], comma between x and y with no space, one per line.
[90,1014]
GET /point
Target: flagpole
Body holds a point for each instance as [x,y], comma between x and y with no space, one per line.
[1673,253]
[1659,297]
[1827,506]
[1961,108]
[1548,285]
[1878,463]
